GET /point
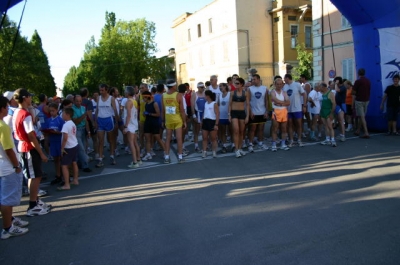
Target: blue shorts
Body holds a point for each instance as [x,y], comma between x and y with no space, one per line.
[295,115]
[340,108]
[224,121]
[11,189]
[55,149]
[70,156]
[105,124]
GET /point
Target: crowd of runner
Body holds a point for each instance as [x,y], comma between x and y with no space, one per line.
[228,116]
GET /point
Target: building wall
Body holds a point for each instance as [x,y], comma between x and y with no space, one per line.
[333,43]
[223,51]
[285,14]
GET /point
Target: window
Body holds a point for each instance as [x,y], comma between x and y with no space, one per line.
[189,38]
[210,25]
[345,22]
[308,19]
[307,30]
[348,69]
[294,30]
[292,18]
[199,30]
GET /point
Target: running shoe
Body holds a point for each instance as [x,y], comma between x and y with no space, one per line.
[333,143]
[147,157]
[290,143]
[19,222]
[133,165]
[204,155]
[152,153]
[116,152]
[250,148]
[197,150]
[301,144]
[181,160]
[142,153]
[349,129]
[214,154]
[326,142]
[43,204]
[224,150]
[100,164]
[243,153]
[185,152]
[112,161]
[273,148]
[285,148]
[37,210]
[313,139]
[244,145]
[238,154]
[167,161]
[342,138]
[42,193]
[13,231]
[263,147]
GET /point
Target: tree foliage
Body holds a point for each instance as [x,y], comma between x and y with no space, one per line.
[305,59]
[123,55]
[26,65]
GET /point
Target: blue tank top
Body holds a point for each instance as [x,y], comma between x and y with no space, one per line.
[149,107]
[200,103]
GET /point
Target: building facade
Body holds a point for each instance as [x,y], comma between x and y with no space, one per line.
[224,38]
[333,52]
[292,25]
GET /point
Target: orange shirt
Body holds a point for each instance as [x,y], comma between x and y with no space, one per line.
[349,97]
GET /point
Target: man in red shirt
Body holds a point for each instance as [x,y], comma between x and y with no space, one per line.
[31,153]
[362,90]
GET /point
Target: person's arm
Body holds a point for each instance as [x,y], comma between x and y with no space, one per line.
[157,109]
[96,113]
[193,104]
[230,106]
[64,142]
[286,101]
[247,110]
[114,108]
[216,111]
[128,106]
[248,96]
[163,111]
[266,99]
[181,109]
[28,126]
[78,120]
[332,98]
[8,145]
[383,101]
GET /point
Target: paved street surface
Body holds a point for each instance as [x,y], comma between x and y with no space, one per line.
[310,205]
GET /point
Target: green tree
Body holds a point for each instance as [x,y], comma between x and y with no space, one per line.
[305,59]
[71,82]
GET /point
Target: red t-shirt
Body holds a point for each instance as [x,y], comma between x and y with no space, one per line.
[233,88]
[188,97]
[362,87]
[20,116]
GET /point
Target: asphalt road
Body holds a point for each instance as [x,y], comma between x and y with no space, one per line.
[310,205]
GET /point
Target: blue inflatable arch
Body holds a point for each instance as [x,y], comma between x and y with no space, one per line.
[376,33]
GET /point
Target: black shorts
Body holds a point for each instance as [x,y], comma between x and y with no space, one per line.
[349,110]
[258,119]
[189,111]
[69,156]
[152,127]
[31,164]
[238,114]
[208,125]
[392,113]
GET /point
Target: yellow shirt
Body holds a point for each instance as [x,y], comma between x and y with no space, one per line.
[142,103]
[171,108]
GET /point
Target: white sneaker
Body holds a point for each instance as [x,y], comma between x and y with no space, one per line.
[300,143]
[342,138]
[263,147]
[334,144]
[326,142]
[43,205]
[116,152]
[214,154]
[238,154]
[204,155]
[37,210]
[285,148]
[273,148]
[147,157]
[152,153]
[251,150]
[19,222]
[13,231]
[133,165]
[349,129]
[243,153]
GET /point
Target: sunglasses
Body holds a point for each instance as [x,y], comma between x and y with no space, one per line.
[237,83]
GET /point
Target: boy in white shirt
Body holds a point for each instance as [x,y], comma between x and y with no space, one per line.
[69,149]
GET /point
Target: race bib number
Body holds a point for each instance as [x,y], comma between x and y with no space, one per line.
[170,110]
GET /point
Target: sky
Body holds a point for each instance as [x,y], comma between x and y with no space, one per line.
[65,26]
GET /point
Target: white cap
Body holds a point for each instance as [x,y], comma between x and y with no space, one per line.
[200,84]
[9,95]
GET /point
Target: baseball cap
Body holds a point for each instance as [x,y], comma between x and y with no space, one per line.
[9,95]
[171,83]
[21,93]
[200,84]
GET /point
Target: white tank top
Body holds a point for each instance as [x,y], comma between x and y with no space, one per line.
[257,100]
[224,106]
[105,108]
[280,97]
[134,115]
[209,112]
